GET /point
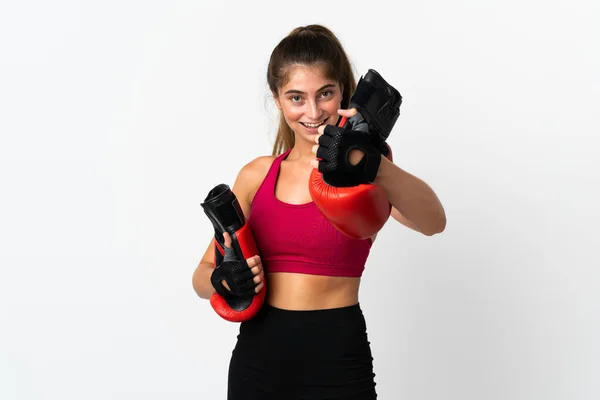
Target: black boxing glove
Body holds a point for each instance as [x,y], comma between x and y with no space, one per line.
[334,151]
[358,122]
[236,273]
[378,102]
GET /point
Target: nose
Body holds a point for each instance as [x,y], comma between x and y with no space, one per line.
[314,111]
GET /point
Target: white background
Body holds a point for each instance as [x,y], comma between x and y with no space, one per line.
[117,117]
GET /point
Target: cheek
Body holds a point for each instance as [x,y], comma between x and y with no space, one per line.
[333,106]
[292,114]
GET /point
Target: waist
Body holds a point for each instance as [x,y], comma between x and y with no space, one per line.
[309,267]
[298,291]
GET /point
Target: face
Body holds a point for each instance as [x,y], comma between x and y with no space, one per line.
[308,100]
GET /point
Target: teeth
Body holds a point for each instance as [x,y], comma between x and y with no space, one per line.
[313,125]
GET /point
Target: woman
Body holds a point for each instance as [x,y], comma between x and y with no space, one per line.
[309,340]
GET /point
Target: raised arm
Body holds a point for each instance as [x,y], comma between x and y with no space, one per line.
[414,203]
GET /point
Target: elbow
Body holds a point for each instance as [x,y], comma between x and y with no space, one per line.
[436,228]
[201,282]
[196,287]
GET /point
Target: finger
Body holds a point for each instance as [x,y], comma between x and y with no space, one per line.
[347,112]
[259,287]
[325,140]
[253,261]
[324,153]
[314,163]
[246,288]
[256,270]
[258,279]
[320,129]
[314,149]
[227,239]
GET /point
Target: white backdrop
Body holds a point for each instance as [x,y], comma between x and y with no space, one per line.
[117,117]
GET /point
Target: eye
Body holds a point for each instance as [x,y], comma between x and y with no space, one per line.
[295,99]
[326,93]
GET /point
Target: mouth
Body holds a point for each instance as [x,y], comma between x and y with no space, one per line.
[313,126]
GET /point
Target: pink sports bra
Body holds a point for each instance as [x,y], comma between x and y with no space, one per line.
[298,238]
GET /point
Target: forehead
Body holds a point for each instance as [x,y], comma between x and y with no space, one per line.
[305,78]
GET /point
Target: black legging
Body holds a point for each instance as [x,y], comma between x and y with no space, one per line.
[286,355]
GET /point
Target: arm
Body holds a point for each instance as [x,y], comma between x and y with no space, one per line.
[414,203]
[201,278]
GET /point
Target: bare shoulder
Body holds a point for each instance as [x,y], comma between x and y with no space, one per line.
[257,168]
[252,175]
[254,172]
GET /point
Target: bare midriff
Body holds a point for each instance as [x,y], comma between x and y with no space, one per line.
[293,291]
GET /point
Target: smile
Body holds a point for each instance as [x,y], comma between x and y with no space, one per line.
[312,126]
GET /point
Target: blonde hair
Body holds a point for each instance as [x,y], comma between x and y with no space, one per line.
[307,45]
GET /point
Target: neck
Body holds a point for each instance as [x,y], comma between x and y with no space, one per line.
[302,151]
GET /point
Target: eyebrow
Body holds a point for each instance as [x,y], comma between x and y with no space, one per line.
[301,92]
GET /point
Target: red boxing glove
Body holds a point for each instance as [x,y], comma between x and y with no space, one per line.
[241,303]
[357,211]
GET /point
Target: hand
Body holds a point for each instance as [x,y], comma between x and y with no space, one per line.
[355,155]
[334,152]
[236,277]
